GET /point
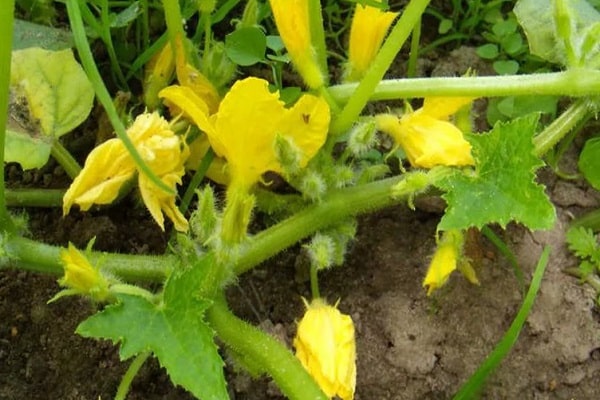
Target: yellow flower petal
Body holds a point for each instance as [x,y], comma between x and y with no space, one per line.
[443,107]
[369,27]
[325,345]
[81,276]
[445,259]
[159,72]
[106,169]
[189,76]
[109,166]
[292,20]
[425,135]
[158,201]
[429,142]
[182,99]
[442,265]
[305,123]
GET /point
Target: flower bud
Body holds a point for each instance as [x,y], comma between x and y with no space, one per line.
[326,347]
[81,277]
[204,220]
[313,186]
[362,137]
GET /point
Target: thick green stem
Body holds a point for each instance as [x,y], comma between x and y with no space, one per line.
[91,69]
[337,206]
[32,255]
[573,82]
[364,90]
[573,116]
[265,352]
[6,33]
[34,197]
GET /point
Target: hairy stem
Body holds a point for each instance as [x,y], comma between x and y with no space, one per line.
[266,353]
[572,82]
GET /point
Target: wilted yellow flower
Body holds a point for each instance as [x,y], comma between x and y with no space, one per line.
[109,166]
[368,29]
[158,73]
[326,347]
[244,131]
[81,277]
[426,135]
[447,257]
[292,20]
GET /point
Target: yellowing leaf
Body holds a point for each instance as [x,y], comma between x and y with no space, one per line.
[50,96]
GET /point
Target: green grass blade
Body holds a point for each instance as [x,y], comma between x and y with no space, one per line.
[470,389]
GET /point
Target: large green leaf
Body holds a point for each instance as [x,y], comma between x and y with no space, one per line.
[173,329]
[50,95]
[503,187]
[565,32]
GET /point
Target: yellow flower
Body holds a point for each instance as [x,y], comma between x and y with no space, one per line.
[109,166]
[325,345]
[244,131]
[426,136]
[369,27]
[448,257]
[81,277]
[292,20]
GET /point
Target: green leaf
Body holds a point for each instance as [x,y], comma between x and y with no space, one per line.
[445,26]
[246,46]
[583,243]
[174,330]
[512,43]
[589,162]
[506,67]
[49,96]
[502,188]
[555,33]
[27,34]
[488,51]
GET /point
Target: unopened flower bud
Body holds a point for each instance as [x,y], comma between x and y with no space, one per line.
[203,221]
[313,186]
[326,347]
[362,137]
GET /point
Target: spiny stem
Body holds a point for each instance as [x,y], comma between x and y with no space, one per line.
[265,352]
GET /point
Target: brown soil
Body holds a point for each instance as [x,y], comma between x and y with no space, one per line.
[409,346]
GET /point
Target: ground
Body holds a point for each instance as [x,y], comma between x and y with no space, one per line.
[410,346]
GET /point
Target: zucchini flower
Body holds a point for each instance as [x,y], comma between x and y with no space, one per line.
[368,29]
[326,347]
[447,257]
[109,166]
[245,130]
[293,24]
[81,277]
[426,135]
